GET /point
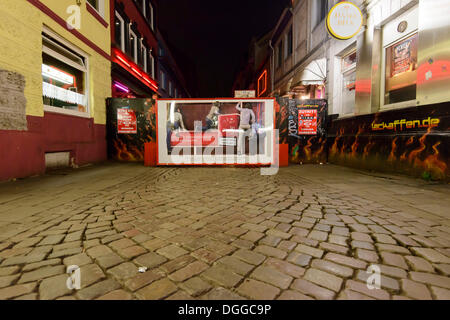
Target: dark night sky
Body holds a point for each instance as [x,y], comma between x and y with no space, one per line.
[215,35]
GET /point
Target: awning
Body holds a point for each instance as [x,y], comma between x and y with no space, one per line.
[314,73]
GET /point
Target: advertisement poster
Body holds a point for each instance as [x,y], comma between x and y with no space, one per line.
[307,121]
[402,57]
[126,121]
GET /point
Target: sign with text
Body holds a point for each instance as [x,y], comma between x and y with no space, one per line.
[245,94]
[307,121]
[344,20]
[126,121]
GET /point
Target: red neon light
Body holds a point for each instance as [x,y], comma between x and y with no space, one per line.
[134,69]
[121,59]
[263,75]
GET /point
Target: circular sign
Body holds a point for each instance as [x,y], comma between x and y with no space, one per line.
[402,26]
[344,20]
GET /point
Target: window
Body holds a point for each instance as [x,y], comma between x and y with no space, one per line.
[348,69]
[133,45]
[320,11]
[142,59]
[401,71]
[163,80]
[280,54]
[98,5]
[64,76]
[150,15]
[151,65]
[170,88]
[119,25]
[289,46]
[176,93]
[94,4]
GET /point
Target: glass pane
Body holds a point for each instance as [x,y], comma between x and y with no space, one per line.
[93,3]
[348,93]
[63,85]
[401,71]
[118,32]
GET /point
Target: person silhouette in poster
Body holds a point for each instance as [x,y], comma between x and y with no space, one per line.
[247,119]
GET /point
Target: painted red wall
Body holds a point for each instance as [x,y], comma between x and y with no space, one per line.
[22,153]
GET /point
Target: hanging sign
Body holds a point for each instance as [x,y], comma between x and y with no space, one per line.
[126,121]
[307,121]
[344,20]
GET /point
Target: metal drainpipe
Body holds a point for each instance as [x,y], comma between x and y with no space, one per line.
[272,71]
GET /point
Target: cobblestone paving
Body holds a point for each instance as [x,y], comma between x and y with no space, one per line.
[221,233]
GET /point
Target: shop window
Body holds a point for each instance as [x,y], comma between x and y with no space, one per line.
[119,25]
[63,76]
[348,69]
[401,71]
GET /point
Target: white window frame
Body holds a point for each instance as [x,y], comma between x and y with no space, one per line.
[101,7]
[144,54]
[131,32]
[144,7]
[122,27]
[152,22]
[384,46]
[343,72]
[84,55]
[163,80]
[152,61]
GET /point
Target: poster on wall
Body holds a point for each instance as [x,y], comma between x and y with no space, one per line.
[402,57]
[126,121]
[307,121]
[306,117]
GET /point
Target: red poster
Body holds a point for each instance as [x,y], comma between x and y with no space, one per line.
[126,121]
[307,121]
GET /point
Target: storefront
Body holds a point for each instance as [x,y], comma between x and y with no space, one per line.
[54,80]
[215,132]
[393,104]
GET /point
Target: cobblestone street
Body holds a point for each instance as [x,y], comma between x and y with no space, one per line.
[310,232]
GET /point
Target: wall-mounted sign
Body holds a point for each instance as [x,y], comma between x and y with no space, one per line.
[344,20]
[307,121]
[245,94]
[126,121]
[402,26]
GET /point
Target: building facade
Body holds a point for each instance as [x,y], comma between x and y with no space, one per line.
[172,83]
[255,70]
[54,79]
[385,87]
[134,48]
